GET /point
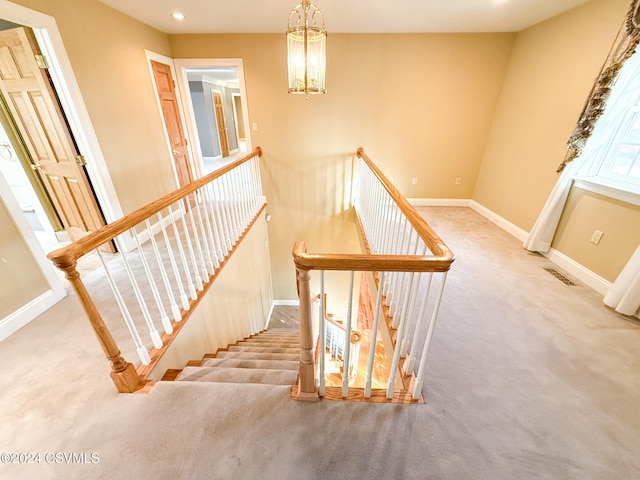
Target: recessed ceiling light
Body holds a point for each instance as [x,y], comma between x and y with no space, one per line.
[177,16]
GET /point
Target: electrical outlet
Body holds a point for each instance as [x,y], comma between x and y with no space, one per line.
[595,238]
[254,127]
[414,181]
[458,180]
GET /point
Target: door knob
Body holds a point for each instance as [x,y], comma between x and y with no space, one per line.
[36,166]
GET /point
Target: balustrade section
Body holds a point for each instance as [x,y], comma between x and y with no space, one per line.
[169,253]
[408,263]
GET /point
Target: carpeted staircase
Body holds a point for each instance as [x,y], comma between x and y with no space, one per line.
[271,357]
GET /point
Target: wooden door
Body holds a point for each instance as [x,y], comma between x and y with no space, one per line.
[34,106]
[222,129]
[171,114]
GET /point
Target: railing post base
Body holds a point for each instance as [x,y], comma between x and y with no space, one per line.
[308,396]
[128,380]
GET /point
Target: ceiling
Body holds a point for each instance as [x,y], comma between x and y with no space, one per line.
[345,16]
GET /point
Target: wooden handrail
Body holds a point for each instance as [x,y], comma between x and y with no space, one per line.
[356,336]
[67,256]
[440,260]
[428,235]
[123,373]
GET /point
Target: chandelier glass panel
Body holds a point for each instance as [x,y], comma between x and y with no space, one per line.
[306,49]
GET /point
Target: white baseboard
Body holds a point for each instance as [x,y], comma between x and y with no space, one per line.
[503,223]
[290,303]
[578,271]
[18,319]
[439,202]
[294,303]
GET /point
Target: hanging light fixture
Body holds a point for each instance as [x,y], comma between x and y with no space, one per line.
[306,49]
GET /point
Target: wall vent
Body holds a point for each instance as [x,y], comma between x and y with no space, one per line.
[560,277]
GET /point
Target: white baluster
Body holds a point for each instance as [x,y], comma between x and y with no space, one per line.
[410,361]
[231,204]
[218,223]
[196,235]
[164,318]
[417,388]
[347,342]
[174,265]
[192,255]
[204,206]
[175,310]
[216,242]
[153,332]
[203,235]
[323,338]
[205,229]
[373,337]
[244,189]
[143,354]
[398,277]
[226,215]
[183,257]
[404,289]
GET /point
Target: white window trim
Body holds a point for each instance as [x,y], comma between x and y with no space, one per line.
[609,188]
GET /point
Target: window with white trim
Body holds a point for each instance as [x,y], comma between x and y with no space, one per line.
[612,154]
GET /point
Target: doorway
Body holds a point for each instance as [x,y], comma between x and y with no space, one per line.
[27,213]
[214,98]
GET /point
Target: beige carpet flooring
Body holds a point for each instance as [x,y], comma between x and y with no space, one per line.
[527,379]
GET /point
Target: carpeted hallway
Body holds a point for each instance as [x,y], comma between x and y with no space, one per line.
[527,379]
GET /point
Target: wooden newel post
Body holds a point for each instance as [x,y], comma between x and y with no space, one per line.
[123,373]
[307,385]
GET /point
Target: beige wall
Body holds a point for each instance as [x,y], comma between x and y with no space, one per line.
[494,109]
[106,50]
[550,75]
[420,104]
[586,212]
[21,279]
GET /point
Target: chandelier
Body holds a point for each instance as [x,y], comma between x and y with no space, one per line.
[306,49]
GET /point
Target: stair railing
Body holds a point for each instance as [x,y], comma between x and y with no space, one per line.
[335,341]
[406,257]
[170,252]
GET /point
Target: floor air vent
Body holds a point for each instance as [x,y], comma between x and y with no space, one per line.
[560,277]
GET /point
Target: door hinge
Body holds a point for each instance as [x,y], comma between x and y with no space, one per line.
[80,160]
[42,61]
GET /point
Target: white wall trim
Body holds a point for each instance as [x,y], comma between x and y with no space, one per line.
[292,303]
[56,291]
[502,222]
[439,202]
[578,271]
[18,319]
[581,273]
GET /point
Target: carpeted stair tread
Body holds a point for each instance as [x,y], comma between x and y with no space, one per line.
[239,375]
[248,363]
[243,348]
[294,346]
[259,356]
[272,340]
[278,335]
